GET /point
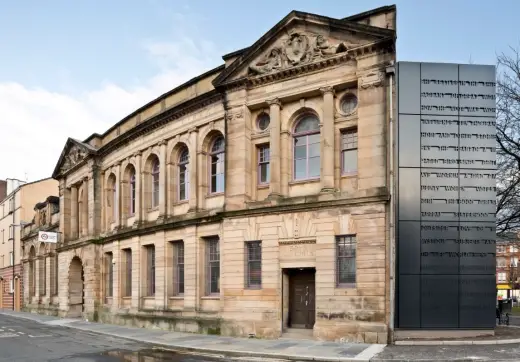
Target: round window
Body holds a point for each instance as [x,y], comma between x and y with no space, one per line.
[348,103]
[263,121]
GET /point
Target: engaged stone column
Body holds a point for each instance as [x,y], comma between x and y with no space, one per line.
[84,207]
[74,212]
[117,196]
[327,140]
[162,179]
[274,144]
[138,187]
[192,170]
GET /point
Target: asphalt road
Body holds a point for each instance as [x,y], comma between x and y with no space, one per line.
[27,341]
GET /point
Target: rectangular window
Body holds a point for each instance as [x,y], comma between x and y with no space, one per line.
[253,264]
[501,249]
[128,272]
[212,266]
[345,260]
[132,195]
[349,151]
[150,278]
[513,249]
[264,164]
[11,286]
[11,260]
[502,277]
[11,232]
[109,275]
[514,261]
[178,267]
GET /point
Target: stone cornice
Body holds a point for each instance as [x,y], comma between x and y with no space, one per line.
[207,217]
[161,120]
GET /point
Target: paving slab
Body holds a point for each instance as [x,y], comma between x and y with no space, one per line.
[288,349]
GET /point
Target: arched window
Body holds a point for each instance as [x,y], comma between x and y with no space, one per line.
[132,192]
[112,197]
[155,183]
[184,174]
[307,148]
[217,156]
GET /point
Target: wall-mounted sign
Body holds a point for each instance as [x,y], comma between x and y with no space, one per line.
[47,237]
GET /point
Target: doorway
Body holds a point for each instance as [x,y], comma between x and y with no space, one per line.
[1,293]
[17,297]
[76,288]
[302,298]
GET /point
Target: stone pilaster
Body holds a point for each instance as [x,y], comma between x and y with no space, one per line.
[74,220]
[84,214]
[138,190]
[162,179]
[65,212]
[192,169]
[274,144]
[117,197]
[327,140]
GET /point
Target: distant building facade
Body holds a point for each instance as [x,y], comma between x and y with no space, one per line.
[250,201]
[16,210]
[40,260]
[508,268]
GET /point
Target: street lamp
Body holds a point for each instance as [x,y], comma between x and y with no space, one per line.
[11,238]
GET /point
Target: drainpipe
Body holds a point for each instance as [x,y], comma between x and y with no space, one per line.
[14,247]
[390,71]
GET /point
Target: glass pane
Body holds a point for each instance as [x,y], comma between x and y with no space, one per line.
[220,182]
[213,183]
[264,173]
[306,124]
[313,138]
[314,166]
[314,150]
[300,151]
[350,161]
[299,141]
[300,170]
[182,192]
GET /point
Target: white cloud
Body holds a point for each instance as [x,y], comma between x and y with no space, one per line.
[35,122]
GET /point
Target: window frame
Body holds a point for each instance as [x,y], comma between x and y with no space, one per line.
[352,241]
[179,275]
[128,272]
[183,168]
[215,154]
[155,182]
[109,275]
[150,270]
[305,134]
[344,150]
[132,191]
[249,245]
[209,290]
[263,162]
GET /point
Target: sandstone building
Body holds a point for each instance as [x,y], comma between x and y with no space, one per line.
[15,211]
[250,201]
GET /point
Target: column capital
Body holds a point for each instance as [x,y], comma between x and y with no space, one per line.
[327,89]
[274,102]
[193,130]
[163,142]
[138,154]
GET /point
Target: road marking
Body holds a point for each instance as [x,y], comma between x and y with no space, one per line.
[8,335]
[43,335]
[370,352]
[21,333]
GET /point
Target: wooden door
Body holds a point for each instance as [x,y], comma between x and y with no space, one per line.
[302,313]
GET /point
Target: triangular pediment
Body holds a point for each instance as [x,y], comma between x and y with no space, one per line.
[301,39]
[74,153]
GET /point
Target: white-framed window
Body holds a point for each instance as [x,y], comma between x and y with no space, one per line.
[11,258]
[502,277]
[349,151]
[264,175]
[184,174]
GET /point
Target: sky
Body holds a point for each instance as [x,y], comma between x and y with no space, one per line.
[73,68]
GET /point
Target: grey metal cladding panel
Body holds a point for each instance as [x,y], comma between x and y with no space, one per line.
[439,301]
[478,141]
[477,303]
[409,141]
[477,90]
[409,302]
[439,89]
[409,247]
[409,194]
[439,248]
[478,248]
[409,87]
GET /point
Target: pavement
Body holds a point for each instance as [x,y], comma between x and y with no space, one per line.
[216,347]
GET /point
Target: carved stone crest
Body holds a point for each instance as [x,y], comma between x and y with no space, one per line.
[74,156]
[298,49]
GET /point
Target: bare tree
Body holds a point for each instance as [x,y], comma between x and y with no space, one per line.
[508,144]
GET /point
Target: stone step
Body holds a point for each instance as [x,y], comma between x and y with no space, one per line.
[297,333]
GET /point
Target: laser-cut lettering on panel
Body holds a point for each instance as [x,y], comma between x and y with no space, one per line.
[446,202]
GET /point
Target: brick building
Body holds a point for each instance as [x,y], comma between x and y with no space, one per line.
[508,268]
[250,201]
